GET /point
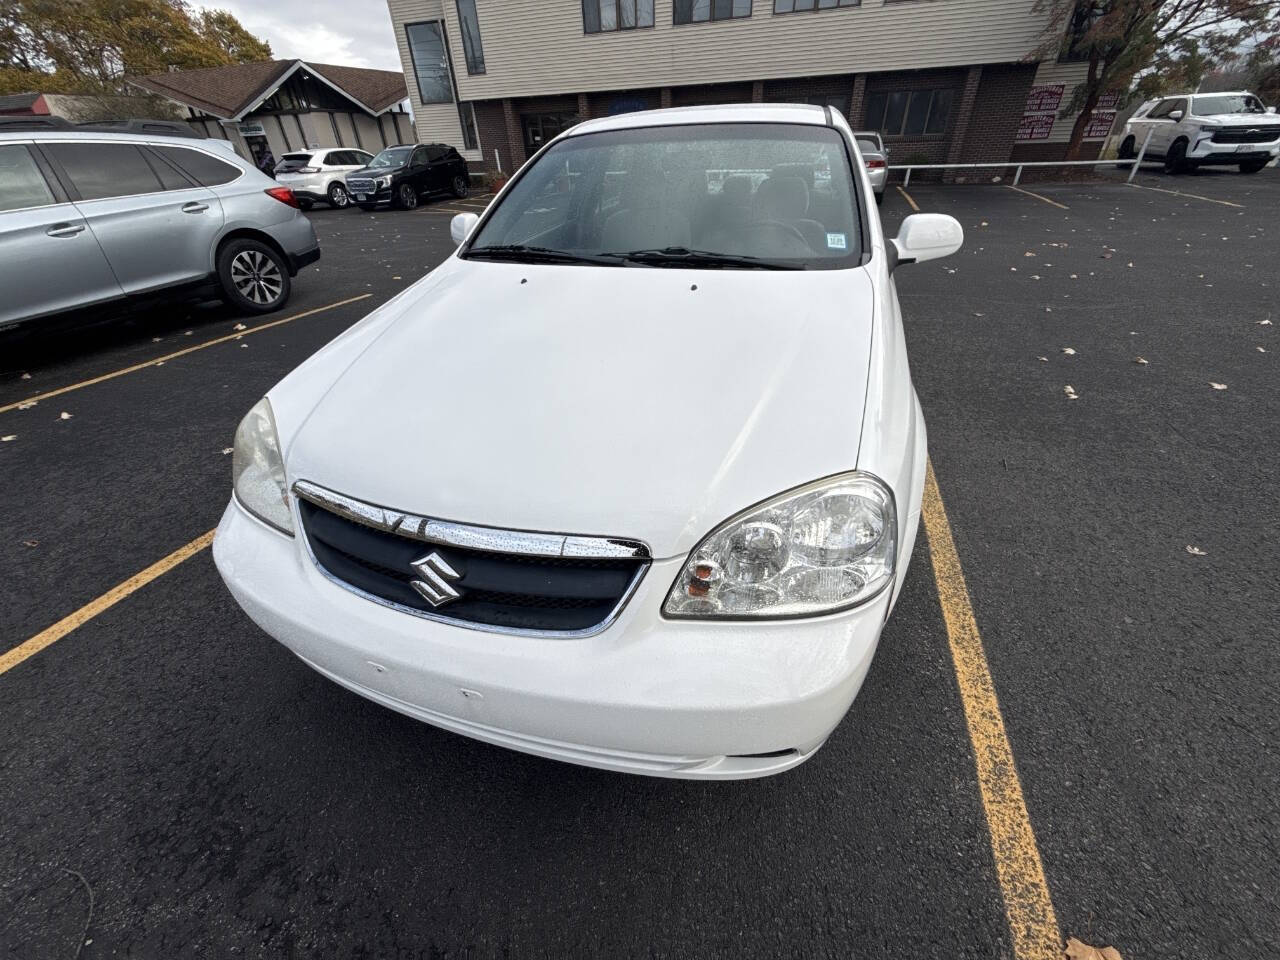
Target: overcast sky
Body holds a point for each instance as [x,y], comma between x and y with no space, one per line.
[325,31]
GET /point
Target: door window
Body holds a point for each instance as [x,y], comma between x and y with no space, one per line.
[169,176]
[435,152]
[103,170]
[203,169]
[21,183]
[419,157]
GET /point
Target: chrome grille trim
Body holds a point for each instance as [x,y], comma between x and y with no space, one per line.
[468,536]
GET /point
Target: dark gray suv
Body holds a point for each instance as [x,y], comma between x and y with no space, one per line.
[91,218]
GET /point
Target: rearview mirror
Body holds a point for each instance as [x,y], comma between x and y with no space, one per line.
[926,236]
[1175,115]
[461,225]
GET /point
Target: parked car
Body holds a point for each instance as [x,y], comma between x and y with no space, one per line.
[875,156]
[632,479]
[1199,129]
[321,175]
[404,174]
[89,218]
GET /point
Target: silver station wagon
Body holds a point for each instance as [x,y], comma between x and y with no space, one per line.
[91,219]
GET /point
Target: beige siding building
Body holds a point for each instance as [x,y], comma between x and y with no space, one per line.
[943,80]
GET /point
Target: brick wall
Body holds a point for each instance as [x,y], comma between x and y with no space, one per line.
[837,86]
[491,125]
[1002,96]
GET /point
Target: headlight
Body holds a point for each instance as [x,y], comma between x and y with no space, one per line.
[819,548]
[257,469]
[381,182]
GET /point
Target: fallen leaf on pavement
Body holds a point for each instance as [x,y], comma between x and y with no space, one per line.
[1069,351]
[1043,359]
[1028,254]
[1217,386]
[1196,551]
[1105,256]
[1082,951]
[1070,391]
[186,333]
[26,376]
[64,415]
[226,450]
[28,404]
[31,543]
[1141,360]
[239,326]
[1260,350]
[1261,323]
[7,438]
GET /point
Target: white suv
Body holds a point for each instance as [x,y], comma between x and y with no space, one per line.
[321,174]
[1206,128]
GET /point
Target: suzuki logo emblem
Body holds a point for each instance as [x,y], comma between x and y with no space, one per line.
[436,574]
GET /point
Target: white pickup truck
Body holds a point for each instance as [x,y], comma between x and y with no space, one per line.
[1196,129]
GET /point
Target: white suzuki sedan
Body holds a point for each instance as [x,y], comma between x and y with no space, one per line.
[632,479]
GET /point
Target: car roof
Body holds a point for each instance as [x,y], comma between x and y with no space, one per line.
[82,134]
[719,113]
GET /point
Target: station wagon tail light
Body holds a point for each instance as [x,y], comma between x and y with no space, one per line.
[284,195]
[875,164]
[820,548]
[308,169]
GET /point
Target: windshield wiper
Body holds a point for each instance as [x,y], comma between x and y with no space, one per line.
[523,253]
[684,257]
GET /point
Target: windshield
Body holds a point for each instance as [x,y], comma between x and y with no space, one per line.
[781,194]
[392,157]
[1236,103]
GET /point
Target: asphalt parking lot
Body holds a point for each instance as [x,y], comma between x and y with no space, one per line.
[219,799]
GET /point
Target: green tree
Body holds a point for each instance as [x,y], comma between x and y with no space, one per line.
[88,46]
[1170,43]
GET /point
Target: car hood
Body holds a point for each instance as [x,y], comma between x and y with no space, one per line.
[375,171]
[1242,119]
[630,402]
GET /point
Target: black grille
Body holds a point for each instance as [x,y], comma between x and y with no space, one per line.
[513,591]
[1246,134]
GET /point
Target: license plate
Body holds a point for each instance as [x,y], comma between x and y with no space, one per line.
[361,196]
[1245,148]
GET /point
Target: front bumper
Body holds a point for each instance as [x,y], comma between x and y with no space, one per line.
[647,695]
[1207,151]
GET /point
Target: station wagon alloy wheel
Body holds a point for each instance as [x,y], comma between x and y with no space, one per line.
[460,188]
[338,196]
[257,277]
[408,197]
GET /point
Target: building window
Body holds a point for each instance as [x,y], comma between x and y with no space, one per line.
[601,16]
[467,117]
[471,45]
[794,6]
[915,113]
[430,61]
[700,11]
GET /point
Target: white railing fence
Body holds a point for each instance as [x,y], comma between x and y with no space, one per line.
[1017,177]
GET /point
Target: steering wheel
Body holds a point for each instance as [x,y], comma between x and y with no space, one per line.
[782,229]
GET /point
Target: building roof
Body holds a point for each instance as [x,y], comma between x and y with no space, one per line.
[18,101]
[231,91]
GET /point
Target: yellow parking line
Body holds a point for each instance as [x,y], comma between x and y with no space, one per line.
[906,196]
[1194,196]
[1027,904]
[179,353]
[1061,206]
[53,634]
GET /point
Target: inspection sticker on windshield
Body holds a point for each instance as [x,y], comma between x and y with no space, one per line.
[835,241]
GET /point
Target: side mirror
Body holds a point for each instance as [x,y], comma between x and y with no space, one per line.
[926,236]
[1271,109]
[461,225]
[1175,115]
